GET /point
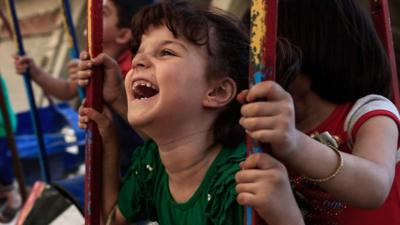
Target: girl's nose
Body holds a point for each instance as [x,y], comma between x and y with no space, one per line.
[140,61]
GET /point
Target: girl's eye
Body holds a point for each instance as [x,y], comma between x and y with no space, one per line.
[167,52]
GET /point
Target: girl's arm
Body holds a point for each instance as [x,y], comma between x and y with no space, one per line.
[60,88]
[119,218]
[111,178]
[366,176]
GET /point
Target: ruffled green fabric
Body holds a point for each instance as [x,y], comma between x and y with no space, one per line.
[223,208]
[140,180]
[144,193]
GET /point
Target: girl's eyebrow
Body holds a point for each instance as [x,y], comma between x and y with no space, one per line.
[165,42]
[168,42]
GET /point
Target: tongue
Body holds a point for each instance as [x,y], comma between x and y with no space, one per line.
[144,92]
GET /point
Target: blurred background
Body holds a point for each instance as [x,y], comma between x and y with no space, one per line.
[41,24]
[45,39]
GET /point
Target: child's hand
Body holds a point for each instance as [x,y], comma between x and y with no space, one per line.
[103,121]
[83,118]
[268,117]
[73,70]
[24,63]
[263,184]
[113,87]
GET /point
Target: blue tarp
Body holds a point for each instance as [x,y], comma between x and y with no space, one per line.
[55,121]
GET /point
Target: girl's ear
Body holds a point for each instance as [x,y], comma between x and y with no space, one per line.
[221,92]
[124,36]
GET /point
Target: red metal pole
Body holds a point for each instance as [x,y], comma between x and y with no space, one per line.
[381,17]
[94,99]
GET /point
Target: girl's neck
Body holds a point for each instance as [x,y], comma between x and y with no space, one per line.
[186,161]
[182,154]
[314,110]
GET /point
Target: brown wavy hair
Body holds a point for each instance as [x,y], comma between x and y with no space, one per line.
[228,48]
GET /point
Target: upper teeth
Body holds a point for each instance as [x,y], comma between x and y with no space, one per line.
[144,83]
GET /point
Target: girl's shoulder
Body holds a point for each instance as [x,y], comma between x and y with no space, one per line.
[147,149]
[138,183]
[366,108]
[145,164]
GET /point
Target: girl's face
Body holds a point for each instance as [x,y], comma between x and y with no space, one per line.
[167,82]
[110,21]
[110,28]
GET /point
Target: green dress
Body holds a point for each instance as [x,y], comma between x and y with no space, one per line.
[13,119]
[145,192]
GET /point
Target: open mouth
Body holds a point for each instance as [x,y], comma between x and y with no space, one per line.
[143,90]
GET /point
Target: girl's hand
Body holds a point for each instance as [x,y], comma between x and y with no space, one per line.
[263,184]
[268,117]
[73,70]
[103,120]
[24,63]
[113,87]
